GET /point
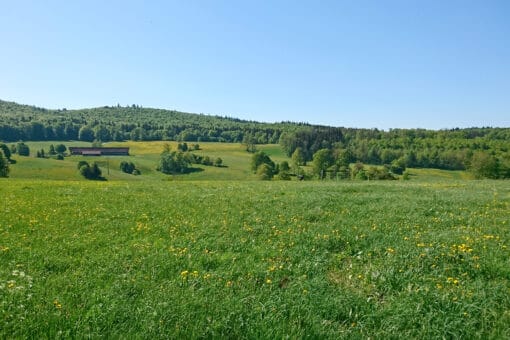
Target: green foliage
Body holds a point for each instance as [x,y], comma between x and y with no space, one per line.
[182,147]
[4,165]
[444,149]
[265,172]
[484,165]
[250,142]
[379,173]
[82,163]
[5,149]
[398,166]
[259,158]
[91,172]
[218,162]
[344,172]
[60,148]
[343,157]
[127,167]
[406,175]
[41,154]
[298,157]
[23,149]
[86,134]
[206,160]
[322,160]
[173,162]
[52,150]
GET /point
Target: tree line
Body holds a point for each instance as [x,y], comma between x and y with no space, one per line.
[456,149]
[453,149]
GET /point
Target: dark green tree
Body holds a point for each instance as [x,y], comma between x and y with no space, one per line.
[90,171]
[5,149]
[23,149]
[127,167]
[218,162]
[4,165]
[86,134]
[60,148]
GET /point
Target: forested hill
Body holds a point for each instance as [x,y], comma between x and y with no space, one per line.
[447,149]
[24,122]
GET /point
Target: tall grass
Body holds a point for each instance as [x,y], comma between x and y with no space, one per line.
[254,260]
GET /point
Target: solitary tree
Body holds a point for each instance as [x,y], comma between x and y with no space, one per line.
[127,167]
[90,171]
[60,148]
[23,149]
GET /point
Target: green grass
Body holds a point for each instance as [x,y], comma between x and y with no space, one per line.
[145,155]
[246,259]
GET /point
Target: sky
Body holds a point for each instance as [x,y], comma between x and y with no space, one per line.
[364,64]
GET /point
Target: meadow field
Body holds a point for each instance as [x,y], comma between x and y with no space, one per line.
[156,256]
[245,259]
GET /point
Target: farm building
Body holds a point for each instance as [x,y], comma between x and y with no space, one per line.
[99,151]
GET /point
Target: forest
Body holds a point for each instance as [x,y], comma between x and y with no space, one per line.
[451,149]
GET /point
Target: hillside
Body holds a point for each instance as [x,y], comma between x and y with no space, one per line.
[107,123]
[452,149]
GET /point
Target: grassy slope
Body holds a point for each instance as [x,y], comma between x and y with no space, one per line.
[254,259]
[145,155]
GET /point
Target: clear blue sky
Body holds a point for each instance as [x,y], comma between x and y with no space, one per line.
[384,64]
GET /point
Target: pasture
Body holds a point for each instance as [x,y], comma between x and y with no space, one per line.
[144,257]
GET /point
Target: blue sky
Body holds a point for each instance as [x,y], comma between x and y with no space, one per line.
[373,64]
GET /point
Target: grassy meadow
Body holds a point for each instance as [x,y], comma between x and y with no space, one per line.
[216,254]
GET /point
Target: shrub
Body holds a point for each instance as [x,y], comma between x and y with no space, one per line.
[172,162]
[90,171]
[127,167]
[60,148]
[265,172]
[23,149]
[82,163]
[6,150]
[260,158]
